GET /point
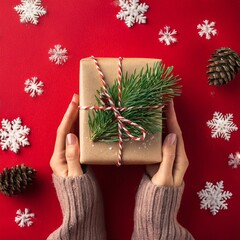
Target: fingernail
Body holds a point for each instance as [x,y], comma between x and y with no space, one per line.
[172,138]
[71,139]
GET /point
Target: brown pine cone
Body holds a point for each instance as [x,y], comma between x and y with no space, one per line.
[14,180]
[224,65]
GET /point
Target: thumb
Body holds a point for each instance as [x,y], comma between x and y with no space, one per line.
[73,156]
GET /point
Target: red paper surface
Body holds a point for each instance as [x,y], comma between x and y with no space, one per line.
[90,28]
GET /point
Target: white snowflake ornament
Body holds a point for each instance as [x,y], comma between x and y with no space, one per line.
[132,12]
[58,54]
[13,135]
[30,11]
[222,125]
[33,87]
[207,29]
[24,219]
[213,197]
[234,160]
[167,36]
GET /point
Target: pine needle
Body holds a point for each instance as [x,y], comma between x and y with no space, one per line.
[153,86]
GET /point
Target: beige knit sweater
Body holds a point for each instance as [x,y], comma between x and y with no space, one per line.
[154,217]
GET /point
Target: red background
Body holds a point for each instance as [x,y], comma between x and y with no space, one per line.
[90,28]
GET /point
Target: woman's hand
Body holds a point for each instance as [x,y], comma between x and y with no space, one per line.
[174,159]
[65,161]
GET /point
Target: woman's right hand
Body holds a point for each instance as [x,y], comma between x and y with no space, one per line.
[171,170]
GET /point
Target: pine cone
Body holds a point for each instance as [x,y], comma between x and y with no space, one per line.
[224,65]
[16,179]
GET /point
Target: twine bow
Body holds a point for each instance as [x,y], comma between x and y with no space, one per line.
[117,110]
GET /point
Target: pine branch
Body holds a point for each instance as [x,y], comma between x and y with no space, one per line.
[153,86]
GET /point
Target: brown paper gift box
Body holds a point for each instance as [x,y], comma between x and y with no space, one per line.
[101,153]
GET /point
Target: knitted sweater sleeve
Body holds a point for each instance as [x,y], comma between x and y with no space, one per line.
[155,215]
[82,209]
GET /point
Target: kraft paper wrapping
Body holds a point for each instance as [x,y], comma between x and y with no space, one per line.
[101,153]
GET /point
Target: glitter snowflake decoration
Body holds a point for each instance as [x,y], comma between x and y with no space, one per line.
[207,29]
[58,54]
[213,197]
[34,87]
[234,160]
[30,11]
[222,125]
[24,219]
[167,36]
[132,12]
[13,135]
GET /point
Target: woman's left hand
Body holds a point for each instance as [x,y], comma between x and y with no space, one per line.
[65,161]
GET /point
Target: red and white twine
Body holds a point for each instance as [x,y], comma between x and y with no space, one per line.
[117,110]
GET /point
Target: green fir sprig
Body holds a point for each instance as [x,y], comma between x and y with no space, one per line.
[152,86]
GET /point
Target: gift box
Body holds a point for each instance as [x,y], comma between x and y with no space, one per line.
[147,151]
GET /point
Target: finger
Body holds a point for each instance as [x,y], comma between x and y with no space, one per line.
[179,171]
[73,156]
[172,123]
[181,161]
[70,115]
[173,127]
[164,175]
[66,124]
[59,169]
[75,126]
